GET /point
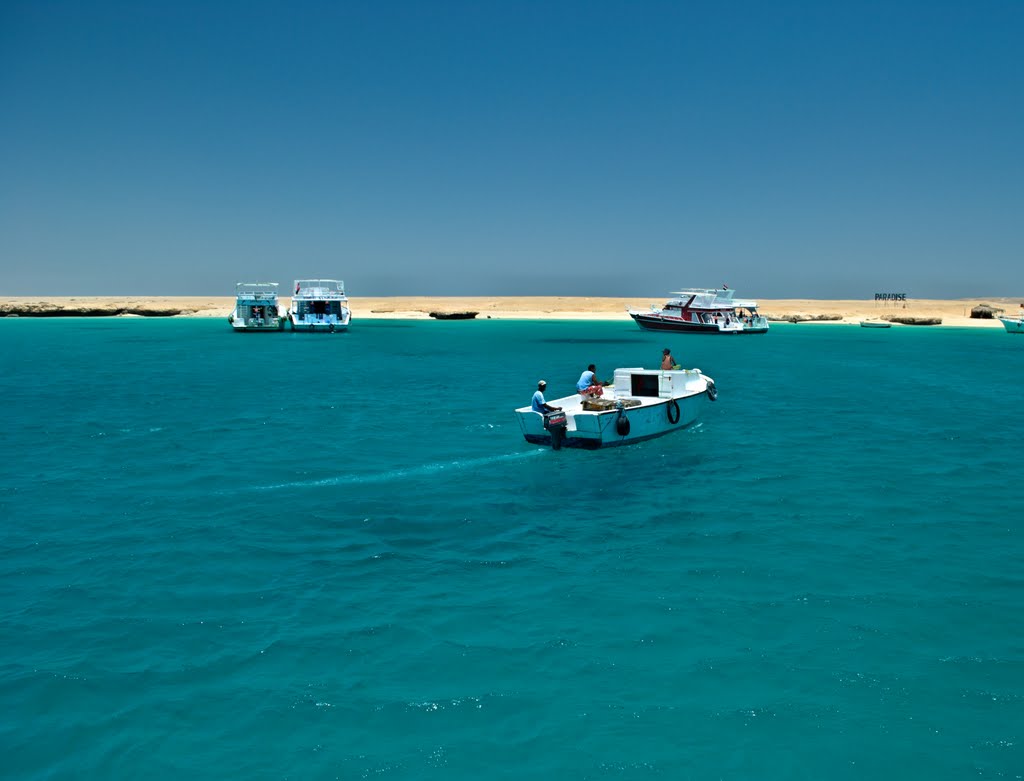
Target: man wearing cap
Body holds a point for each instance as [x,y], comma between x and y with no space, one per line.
[539,405]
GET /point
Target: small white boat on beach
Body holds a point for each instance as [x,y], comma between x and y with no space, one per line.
[701,311]
[875,324]
[1013,325]
[319,305]
[256,307]
[640,404]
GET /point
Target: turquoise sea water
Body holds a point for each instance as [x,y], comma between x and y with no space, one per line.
[309,556]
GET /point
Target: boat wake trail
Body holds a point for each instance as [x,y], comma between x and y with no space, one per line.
[423,470]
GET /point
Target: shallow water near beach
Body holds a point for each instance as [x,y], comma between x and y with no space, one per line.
[334,556]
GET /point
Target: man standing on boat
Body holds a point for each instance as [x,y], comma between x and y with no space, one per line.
[539,404]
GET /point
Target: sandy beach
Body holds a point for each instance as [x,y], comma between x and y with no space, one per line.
[952,312]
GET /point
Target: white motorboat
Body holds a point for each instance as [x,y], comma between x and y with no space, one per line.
[256,307]
[875,324]
[1013,325]
[319,305]
[640,404]
[703,312]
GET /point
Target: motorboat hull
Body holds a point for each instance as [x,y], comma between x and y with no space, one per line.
[645,423]
[1013,326]
[242,327]
[651,322]
[319,326]
[875,324]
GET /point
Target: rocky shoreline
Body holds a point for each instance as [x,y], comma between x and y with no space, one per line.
[802,318]
[45,309]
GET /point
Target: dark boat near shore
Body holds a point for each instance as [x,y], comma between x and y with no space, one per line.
[454,315]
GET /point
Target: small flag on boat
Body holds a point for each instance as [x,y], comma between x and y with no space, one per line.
[725,287]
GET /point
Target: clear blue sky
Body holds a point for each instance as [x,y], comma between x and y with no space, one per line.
[573,148]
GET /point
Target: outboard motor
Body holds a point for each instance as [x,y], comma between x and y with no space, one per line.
[712,390]
[556,424]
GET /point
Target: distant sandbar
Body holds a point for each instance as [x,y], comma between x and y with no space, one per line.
[951,312]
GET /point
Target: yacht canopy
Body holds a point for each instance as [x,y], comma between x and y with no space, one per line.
[712,299]
[256,290]
[319,288]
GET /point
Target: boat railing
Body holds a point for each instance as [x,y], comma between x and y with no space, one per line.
[696,291]
[319,288]
[256,289]
[319,295]
[261,297]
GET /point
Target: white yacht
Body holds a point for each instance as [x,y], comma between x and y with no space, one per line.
[703,311]
[640,404]
[256,307]
[319,305]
